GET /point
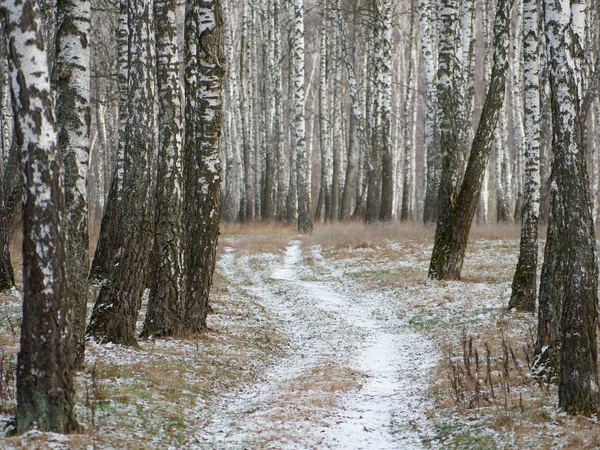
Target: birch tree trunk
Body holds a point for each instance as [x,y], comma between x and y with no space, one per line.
[324,200]
[409,144]
[524,287]
[116,310]
[45,389]
[165,308]
[104,256]
[428,32]
[452,235]
[568,290]
[204,56]
[7,277]
[247,99]
[383,63]
[304,211]
[73,114]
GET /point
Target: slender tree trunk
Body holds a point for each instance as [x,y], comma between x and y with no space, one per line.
[7,278]
[116,310]
[428,31]
[247,112]
[304,211]
[524,287]
[383,63]
[409,145]
[45,389]
[104,256]
[204,76]
[324,201]
[452,235]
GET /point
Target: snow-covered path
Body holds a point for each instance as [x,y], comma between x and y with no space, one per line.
[332,323]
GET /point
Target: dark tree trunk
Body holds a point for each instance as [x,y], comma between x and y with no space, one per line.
[7,276]
[452,234]
[571,244]
[165,302]
[45,390]
[116,310]
[104,255]
[204,77]
[448,124]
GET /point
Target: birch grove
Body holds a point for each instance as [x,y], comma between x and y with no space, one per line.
[132,130]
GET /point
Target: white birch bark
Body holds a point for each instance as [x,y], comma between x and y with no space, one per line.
[204,56]
[72,80]
[304,211]
[45,389]
[165,302]
[524,286]
[428,34]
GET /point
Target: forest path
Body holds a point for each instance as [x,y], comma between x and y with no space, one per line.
[355,376]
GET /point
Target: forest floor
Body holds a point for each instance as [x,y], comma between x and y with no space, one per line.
[338,340]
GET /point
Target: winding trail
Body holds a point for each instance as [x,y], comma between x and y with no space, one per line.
[340,323]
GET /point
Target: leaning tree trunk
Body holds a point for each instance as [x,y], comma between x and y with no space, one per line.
[204,55]
[448,122]
[72,81]
[524,287]
[164,314]
[116,310]
[452,236]
[304,211]
[571,240]
[45,389]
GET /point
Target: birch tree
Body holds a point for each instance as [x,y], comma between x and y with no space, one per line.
[164,313]
[304,211]
[116,309]
[104,254]
[45,390]
[72,81]
[204,59]
[568,289]
[7,277]
[381,179]
[524,287]
[453,227]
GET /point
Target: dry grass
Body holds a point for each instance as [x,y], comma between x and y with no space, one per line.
[259,237]
[129,398]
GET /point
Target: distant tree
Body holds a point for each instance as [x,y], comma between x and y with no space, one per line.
[304,209]
[165,305]
[381,180]
[204,71]
[115,313]
[428,32]
[45,390]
